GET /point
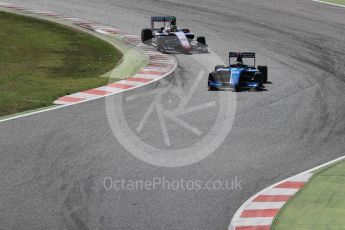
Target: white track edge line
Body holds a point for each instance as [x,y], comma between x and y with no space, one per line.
[329,3]
[237,215]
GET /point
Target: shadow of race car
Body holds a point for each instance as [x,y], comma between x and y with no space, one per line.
[238,76]
[168,38]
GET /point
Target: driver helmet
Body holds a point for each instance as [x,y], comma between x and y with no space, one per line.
[173,22]
[173,28]
[239,61]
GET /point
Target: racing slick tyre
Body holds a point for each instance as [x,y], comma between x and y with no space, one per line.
[264,71]
[258,77]
[211,78]
[201,40]
[146,35]
[219,67]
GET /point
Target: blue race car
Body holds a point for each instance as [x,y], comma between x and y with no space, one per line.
[238,76]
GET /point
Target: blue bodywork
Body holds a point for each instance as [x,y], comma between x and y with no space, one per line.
[233,77]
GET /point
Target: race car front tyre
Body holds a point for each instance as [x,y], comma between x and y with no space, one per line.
[201,40]
[146,35]
[258,77]
[264,71]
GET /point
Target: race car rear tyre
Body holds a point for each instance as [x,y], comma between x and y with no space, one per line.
[201,40]
[211,78]
[219,67]
[146,35]
[264,71]
[258,77]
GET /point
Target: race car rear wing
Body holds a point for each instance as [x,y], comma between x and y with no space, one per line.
[162,19]
[240,56]
[243,55]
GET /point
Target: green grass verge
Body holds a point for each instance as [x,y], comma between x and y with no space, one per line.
[341,2]
[41,61]
[319,205]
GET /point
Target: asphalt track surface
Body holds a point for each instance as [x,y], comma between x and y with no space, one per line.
[53,164]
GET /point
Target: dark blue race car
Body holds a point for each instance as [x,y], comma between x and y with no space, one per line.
[238,76]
